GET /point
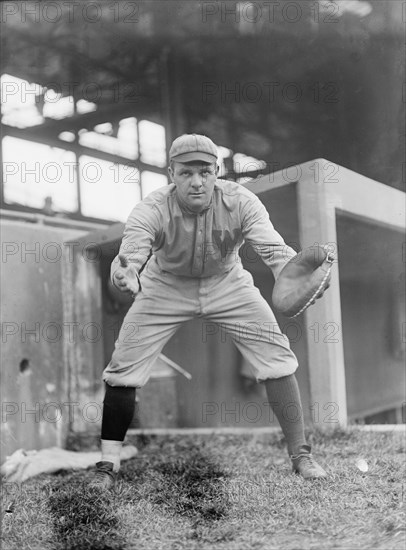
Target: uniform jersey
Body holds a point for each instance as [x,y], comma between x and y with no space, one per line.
[190,244]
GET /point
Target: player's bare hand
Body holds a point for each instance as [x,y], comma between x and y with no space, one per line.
[126,278]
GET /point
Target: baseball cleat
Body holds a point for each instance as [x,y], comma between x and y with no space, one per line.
[105,477]
[304,464]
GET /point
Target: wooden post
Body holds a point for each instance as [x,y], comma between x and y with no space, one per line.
[83,351]
[324,339]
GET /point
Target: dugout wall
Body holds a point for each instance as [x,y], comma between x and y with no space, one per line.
[353,340]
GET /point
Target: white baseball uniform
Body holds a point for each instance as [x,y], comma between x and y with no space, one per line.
[195,270]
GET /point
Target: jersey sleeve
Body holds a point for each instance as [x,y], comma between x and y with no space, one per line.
[140,233]
[260,233]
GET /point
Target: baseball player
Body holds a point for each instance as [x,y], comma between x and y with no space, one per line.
[194,228]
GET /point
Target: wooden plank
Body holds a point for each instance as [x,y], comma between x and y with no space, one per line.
[379,427]
[316,211]
[204,431]
[83,350]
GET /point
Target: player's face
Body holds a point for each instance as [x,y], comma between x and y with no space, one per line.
[194,183]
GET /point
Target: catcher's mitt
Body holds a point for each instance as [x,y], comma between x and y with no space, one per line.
[303,279]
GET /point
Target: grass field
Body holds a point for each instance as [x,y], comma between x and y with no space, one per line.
[221,492]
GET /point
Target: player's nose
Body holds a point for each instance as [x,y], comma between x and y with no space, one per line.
[197,181]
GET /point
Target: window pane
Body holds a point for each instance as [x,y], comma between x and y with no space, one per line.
[98,141]
[33,171]
[84,106]
[124,145]
[59,107]
[128,138]
[19,105]
[152,181]
[67,136]
[152,143]
[108,190]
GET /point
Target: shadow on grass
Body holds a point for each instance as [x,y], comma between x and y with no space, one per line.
[83,519]
[183,480]
[192,487]
[177,477]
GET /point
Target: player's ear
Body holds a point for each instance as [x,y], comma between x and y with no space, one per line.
[170,172]
[217,169]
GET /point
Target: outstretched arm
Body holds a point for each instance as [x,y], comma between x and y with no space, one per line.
[125,277]
[140,233]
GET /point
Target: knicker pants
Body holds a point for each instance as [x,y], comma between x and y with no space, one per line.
[166,301]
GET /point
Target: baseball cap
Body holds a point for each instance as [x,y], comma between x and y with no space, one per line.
[191,147]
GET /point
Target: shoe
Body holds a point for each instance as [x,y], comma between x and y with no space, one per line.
[304,464]
[104,477]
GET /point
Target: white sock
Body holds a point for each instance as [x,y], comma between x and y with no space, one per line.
[111,452]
